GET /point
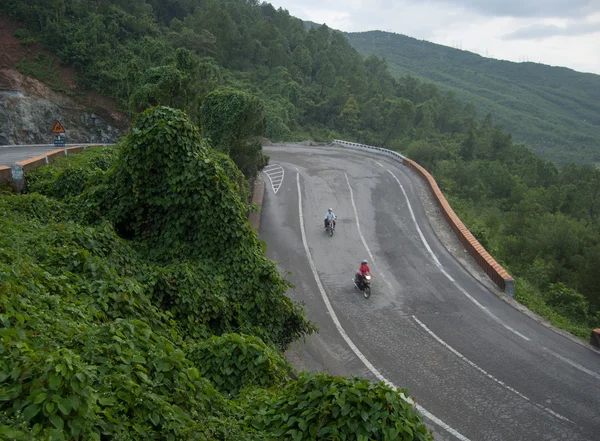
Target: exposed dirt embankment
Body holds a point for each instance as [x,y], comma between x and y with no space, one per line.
[29,108]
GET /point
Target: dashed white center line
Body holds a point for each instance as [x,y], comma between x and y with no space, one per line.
[490,376]
[362,238]
[443,270]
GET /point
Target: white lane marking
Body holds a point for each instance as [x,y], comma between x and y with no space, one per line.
[275,173]
[572,363]
[490,376]
[345,336]
[362,238]
[443,270]
[487,311]
[378,163]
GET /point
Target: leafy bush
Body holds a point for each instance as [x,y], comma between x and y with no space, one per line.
[71,175]
[234,361]
[331,408]
[234,122]
[568,302]
[529,296]
[195,296]
[83,346]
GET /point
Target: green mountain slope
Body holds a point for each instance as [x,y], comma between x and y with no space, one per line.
[554,110]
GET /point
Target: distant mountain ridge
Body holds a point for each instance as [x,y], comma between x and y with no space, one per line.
[553,110]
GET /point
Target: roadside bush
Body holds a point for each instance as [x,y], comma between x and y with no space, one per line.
[71,175]
[568,302]
[233,362]
[331,408]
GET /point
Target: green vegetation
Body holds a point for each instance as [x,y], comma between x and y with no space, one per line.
[152,246]
[127,314]
[43,67]
[553,110]
[311,84]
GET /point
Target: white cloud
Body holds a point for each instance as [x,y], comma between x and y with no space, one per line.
[555,32]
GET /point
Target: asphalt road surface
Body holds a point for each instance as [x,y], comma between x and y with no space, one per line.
[477,368]
[9,154]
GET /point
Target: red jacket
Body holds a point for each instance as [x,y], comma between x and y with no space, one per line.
[364,269]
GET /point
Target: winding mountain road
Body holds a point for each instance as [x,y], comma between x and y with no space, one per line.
[478,368]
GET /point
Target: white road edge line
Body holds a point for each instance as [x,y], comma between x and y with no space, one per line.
[442,269]
[487,311]
[345,336]
[362,238]
[490,376]
[572,363]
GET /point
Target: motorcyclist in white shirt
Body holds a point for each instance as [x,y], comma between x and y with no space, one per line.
[330,217]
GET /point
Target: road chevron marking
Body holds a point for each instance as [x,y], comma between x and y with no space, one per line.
[448,276]
[345,336]
[275,173]
[490,376]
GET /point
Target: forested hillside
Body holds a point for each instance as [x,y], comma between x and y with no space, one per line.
[554,110]
[313,83]
[239,70]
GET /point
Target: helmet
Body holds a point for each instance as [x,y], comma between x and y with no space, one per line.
[330,210]
[364,262]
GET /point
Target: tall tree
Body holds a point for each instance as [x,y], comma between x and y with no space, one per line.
[234,122]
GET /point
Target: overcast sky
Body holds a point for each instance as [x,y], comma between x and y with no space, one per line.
[555,32]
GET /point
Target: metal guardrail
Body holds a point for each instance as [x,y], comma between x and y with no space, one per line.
[377,150]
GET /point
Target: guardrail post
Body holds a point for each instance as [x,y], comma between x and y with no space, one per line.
[509,287]
[18,176]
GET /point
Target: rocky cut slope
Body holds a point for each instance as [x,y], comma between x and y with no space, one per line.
[28,110]
[29,107]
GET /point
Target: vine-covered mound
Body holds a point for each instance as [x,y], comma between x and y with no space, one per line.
[123,318]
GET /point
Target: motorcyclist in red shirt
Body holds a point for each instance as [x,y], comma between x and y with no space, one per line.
[362,272]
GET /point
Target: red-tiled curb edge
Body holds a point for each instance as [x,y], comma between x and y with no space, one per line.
[16,173]
[5,174]
[493,269]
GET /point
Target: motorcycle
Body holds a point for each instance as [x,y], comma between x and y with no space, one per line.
[330,228]
[364,286]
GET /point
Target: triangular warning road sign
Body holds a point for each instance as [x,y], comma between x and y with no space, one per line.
[58,128]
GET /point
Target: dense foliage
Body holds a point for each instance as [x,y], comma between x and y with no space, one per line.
[117,325]
[313,84]
[234,122]
[554,110]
